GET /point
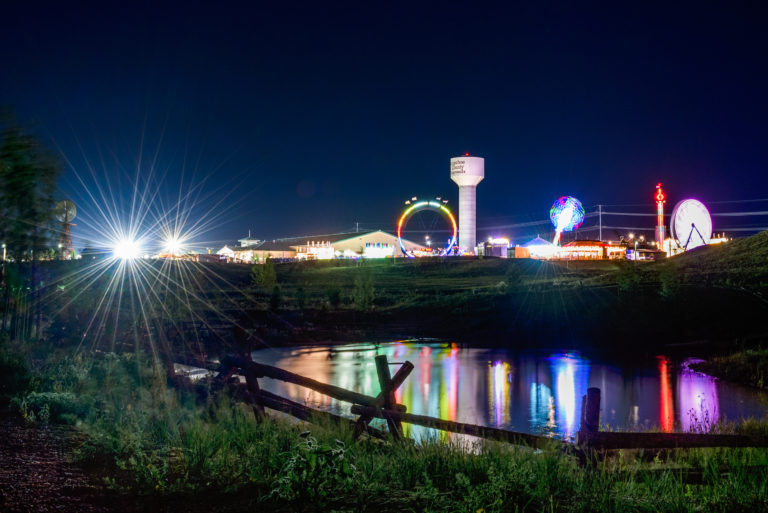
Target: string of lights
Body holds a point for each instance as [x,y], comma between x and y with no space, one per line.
[536,225]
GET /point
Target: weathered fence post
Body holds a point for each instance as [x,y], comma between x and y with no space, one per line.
[252,384]
[361,425]
[590,415]
[385,381]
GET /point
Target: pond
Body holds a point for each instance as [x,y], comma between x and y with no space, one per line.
[527,392]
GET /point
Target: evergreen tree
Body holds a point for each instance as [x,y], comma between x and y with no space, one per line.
[363,292]
[28,175]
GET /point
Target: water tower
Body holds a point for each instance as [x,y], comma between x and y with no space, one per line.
[467,172]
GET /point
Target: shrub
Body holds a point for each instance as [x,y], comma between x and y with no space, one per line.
[334,296]
[264,275]
[627,278]
[315,471]
[301,298]
[363,293]
[61,407]
[14,375]
[276,299]
[670,282]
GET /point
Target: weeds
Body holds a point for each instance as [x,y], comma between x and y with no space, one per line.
[163,440]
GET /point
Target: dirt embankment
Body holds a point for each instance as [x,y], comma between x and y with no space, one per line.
[37,475]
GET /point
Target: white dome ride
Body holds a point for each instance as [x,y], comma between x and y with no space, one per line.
[691,224]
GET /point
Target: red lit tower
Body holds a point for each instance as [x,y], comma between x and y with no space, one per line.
[659,217]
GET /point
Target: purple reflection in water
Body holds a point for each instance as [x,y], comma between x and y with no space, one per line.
[498,376]
[697,397]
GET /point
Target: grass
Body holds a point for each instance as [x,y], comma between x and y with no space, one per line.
[158,439]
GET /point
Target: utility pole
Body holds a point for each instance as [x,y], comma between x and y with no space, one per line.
[600,221]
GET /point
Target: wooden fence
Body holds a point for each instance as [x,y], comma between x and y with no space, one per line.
[384,406]
[591,437]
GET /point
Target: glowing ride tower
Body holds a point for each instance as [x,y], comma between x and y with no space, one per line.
[660,235]
[467,172]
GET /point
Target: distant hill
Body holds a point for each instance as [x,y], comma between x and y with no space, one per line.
[741,262]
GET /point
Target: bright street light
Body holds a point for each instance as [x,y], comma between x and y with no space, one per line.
[173,246]
[126,249]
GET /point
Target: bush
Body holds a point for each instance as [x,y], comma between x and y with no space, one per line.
[670,282]
[14,375]
[334,296]
[363,293]
[264,276]
[301,298]
[628,278]
[276,299]
[315,471]
[60,407]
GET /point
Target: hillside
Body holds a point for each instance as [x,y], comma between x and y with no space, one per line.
[714,293]
[741,262]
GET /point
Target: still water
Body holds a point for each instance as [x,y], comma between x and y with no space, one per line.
[532,393]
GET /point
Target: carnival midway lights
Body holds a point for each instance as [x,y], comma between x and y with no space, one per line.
[415,206]
[566,214]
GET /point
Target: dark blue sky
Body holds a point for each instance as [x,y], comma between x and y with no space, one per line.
[307,117]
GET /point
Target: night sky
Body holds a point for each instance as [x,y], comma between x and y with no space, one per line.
[308,117]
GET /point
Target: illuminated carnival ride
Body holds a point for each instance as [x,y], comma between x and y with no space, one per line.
[566,214]
[691,224]
[439,210]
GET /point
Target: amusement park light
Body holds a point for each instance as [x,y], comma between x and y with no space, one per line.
[173,246]
[126,249]
[433,205]
[566,214]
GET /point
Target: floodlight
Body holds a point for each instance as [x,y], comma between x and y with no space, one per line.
[126,249]
[172,246]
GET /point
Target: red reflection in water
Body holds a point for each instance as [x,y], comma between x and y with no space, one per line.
[666,406]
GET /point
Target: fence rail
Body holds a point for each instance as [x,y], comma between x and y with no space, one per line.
[589,437]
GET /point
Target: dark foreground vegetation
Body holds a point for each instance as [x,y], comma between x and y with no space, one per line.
[186,445]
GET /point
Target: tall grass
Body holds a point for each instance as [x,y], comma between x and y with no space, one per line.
[159,439]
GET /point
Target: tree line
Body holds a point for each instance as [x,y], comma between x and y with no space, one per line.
[28,177]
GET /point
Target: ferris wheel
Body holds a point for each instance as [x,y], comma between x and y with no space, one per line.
[439,209]
[691,224]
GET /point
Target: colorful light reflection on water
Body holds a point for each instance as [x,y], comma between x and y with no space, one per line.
[529,393]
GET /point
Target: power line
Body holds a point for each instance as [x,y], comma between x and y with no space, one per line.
[734,214]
